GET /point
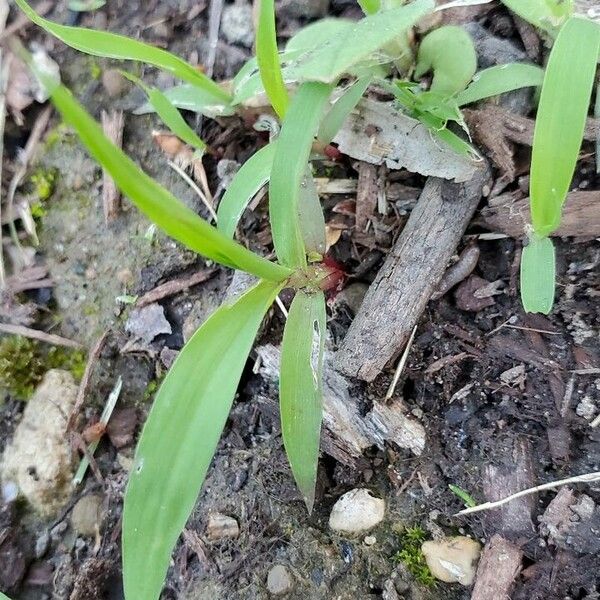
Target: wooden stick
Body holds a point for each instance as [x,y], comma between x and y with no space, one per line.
[170,288]
[411,273]
[112,124]
[36,334]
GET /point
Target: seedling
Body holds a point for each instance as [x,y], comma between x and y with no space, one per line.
[191,407]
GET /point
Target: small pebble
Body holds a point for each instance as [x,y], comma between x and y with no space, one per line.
[221,527]
[236,24]
[279,580]
[42,544]
[370,540]
[453,559]
[87,514]
[357,511]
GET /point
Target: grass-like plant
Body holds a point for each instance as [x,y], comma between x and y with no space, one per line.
[189,412]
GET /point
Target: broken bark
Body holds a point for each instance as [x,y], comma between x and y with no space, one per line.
[346,432]
[580,217]
[112,124]
[499,565]
[411,273]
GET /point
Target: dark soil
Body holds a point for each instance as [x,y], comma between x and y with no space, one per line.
[491,385]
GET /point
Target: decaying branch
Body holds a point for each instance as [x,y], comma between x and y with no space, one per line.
[411,273]
[112,124]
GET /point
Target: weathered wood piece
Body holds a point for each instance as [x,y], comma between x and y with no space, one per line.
[499,565]
[580,217]
[410,274]
[346,432]
[112,124]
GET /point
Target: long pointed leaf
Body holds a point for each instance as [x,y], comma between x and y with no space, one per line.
[158,204]
[253,174]
[329,61]
[293,150]
[334,119]
[311,218]
[538,271]
[180,437]
[499,80]
[267,55]
[168,114]
[300,388]
[561,118]
[548,15]
[111,45]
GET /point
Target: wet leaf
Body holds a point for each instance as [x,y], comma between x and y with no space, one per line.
[300,388]
[180,436]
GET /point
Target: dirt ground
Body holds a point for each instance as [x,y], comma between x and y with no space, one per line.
[506,399]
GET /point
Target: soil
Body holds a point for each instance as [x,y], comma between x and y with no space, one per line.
[484,379]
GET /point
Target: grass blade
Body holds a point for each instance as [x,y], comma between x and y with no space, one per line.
[300,388]
[548,15]
[449,52]
[291,156]
[499,80]
[3,597]
[334,119]
[370,7]
[538,271]
[158,204]
[180,436]
[329,61]
[253,174]
[311,218]
[315,34]
[111,45]
[168,114]
[560,121]
[267,55]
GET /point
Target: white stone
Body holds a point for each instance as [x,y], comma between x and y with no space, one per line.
[279,580]
[39,458]
[221,526]
[453,559]
[357,511]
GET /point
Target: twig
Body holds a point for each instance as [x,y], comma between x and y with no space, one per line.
[281,306]
[36,334]
[112,124]
[104,419]
[174,287]
[587,478]
[193,185]
[401,365]
[85,380]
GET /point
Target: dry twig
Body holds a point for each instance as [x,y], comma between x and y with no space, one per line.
[36,334]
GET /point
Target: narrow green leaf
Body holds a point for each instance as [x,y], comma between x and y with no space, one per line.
[158,204]
[190,97]
[561,118]
[449,52]
[538,271]
[267,55]
[253,174]
[110,45]
[311,218]
[370,7]
[334,119]
[169,115]
[180,437]
[329,61]
[548,15]
[3,597]
[317,33]
[300,388]
[499,80]
[293,150]
[463,495]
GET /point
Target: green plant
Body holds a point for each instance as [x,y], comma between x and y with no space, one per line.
[191,407]
[562,111]
[412,557]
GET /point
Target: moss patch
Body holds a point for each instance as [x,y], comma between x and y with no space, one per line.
[411,556]
[23,363]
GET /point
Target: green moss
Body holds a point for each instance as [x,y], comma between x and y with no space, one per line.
[60,134]
[95,70]
[23,363]
[411,556]
[44,182]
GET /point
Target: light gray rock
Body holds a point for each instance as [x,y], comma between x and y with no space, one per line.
[356,511]
[453,559]
[236,24]
[221,527]
[147,322]
[279,580]
[87,514]
[39,458]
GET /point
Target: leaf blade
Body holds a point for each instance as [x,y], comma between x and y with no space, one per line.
[560,121]
[253,174]
[267,55]
[538,272]
[180,222]
[300,388]
[180,436]
[293,150]
[111,45]
[500,79]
